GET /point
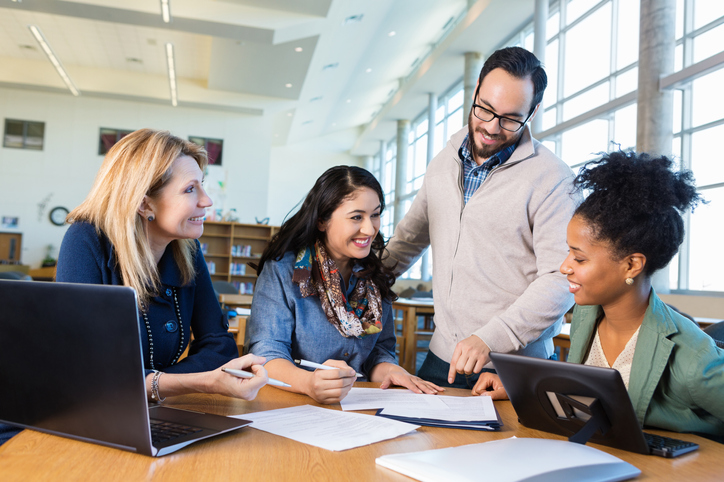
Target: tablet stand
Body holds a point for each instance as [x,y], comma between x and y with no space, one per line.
[597,420]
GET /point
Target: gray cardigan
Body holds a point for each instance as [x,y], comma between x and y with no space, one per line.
[496,259]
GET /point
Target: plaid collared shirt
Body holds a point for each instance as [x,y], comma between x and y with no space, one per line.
[474,175]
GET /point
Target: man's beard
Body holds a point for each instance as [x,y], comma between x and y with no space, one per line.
[485,151]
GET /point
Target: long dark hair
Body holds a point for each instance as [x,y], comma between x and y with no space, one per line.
[329,192]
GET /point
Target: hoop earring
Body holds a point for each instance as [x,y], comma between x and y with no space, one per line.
[151,218]
[629,281]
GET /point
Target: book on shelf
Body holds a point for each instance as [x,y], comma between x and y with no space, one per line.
[241,250]
[244,288]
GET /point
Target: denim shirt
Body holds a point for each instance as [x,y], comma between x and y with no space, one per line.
[285,325]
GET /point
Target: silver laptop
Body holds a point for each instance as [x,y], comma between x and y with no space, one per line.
[71,365]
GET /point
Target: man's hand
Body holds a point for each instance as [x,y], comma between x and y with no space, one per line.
[470,356]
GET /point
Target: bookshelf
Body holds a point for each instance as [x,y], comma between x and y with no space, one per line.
[228,247]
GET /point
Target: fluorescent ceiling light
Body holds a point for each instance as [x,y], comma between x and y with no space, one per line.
[171,74]
[166,11]
[53,59]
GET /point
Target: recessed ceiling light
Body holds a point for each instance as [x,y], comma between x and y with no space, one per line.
[392,34]
[349,100]
[298,49]
[289,114]
[165,11]
[368,70]
[276,135]
[53,59]
[334,124]
[288,86]
[171,73]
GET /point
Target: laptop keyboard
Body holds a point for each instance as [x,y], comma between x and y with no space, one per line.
[162,431]
[668,447]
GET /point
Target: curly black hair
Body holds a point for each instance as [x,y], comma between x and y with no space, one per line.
[300,231]
[635,205]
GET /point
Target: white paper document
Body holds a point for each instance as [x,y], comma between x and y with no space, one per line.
[514,459]
[374,398]
[451,409]
[326,428]
[405,403]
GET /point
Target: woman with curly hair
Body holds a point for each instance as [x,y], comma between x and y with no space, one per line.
[628,228]
[324,296]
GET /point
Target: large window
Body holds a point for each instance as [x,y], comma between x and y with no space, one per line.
[698,128]
[449,119]
[590,107]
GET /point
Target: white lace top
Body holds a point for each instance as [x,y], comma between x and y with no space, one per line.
[597,358]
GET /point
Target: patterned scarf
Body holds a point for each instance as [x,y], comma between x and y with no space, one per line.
[317,274]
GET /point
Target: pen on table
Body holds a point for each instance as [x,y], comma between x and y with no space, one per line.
[243,374]
[310,364]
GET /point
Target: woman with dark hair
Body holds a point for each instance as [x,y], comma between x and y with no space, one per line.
[627,228]
[324,296]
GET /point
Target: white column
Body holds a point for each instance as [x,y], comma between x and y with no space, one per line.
[540,19]
[403,132]
[431,110]
[655,117]
[473,65]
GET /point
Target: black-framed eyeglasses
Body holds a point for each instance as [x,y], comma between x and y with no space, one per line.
[510,125]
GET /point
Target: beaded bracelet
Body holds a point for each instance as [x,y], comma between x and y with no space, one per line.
[155,396]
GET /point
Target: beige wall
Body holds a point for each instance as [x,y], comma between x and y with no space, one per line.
[704,306]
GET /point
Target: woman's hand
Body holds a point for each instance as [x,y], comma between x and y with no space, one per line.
[331,386]
[489,384]
[396,375]
[244,388]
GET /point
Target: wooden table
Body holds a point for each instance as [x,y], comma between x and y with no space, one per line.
[236,300]
[250,454]
[43,274]
[410,309]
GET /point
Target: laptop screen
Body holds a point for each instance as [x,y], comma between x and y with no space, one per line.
[71,362]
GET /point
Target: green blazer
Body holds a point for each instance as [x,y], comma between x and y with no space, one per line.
[677,373]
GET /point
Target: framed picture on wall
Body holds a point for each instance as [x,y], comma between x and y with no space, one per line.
[108,137]
[214,148]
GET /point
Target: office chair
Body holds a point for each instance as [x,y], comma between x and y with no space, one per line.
[716,331]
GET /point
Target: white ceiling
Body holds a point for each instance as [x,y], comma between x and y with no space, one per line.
[351,76]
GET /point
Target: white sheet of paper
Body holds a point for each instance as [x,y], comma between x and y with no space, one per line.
[455,409]
[326,428]
[374,398]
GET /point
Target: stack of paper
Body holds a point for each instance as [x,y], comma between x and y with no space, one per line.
[472,413]
[326,428]
[521,459]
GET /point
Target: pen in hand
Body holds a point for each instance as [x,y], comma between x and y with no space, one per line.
[243,374]
[305,363]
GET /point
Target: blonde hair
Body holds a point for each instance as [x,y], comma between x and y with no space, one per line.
[138,165]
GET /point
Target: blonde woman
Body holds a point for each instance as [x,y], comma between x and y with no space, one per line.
[138,227]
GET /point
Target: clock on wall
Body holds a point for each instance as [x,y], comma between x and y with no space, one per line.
[58,215]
